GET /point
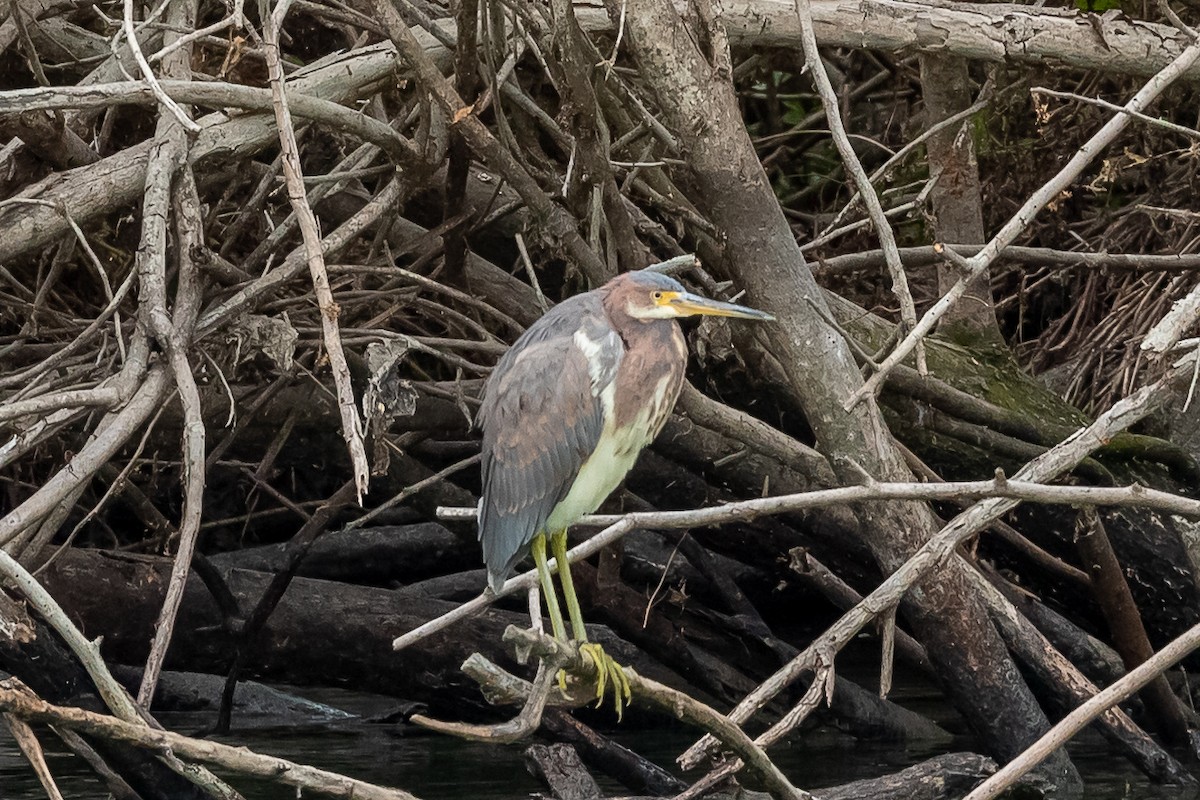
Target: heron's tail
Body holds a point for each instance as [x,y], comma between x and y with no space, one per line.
[496,580]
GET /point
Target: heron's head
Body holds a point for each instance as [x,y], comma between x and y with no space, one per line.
[651,295]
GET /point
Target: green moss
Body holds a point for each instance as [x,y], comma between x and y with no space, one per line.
[989,371]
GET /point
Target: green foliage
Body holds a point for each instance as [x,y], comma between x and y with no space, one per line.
[1098,6]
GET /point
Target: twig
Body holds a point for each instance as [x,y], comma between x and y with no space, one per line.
[558,224]
[85,463]
[851,227]
[236,19]
[908,148]
[352,426]
[533,281]
[180,115]
[409,491]
[110,310]
[251,294]
[1183,130]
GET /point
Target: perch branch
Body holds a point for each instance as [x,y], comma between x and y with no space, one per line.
[667,700]
[999,490]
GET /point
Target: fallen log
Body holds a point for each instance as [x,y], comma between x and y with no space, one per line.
[118,596]
[254,704]
[938,778]
[374,556]
[559,767]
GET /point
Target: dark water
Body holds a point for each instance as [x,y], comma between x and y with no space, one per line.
[441,768]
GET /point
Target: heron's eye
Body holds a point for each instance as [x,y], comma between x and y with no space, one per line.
[657,296]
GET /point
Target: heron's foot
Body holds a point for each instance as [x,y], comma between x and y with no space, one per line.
[608,674]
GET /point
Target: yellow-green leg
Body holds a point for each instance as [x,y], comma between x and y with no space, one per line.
[607,669]
[558,546]
[543,571]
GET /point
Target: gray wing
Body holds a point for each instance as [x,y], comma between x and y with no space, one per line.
[541,417]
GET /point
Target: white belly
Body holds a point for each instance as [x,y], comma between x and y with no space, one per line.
[613,457]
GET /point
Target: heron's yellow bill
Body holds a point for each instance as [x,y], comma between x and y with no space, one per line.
[687,304]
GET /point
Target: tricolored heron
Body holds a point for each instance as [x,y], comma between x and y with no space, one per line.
[564,416]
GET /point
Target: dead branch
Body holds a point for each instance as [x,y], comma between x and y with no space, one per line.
[172,329]
[352,424]
[866,192]
[999,495]
[1039,256]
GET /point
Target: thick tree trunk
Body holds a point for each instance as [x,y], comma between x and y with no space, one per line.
[956,196]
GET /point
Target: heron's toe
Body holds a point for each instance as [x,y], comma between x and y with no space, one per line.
[608,674]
